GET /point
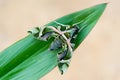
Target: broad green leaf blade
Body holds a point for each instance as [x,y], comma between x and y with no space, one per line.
[30,59]
[22,57]
[33,68]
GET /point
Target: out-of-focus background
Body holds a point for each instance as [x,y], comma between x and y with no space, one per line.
[98,57]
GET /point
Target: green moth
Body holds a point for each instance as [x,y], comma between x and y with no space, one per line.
[64,40]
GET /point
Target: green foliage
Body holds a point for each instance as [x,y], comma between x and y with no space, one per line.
[31,58]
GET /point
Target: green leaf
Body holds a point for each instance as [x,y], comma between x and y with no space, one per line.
[31,59]
[26,60]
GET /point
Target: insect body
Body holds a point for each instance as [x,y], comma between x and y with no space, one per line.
[64,36]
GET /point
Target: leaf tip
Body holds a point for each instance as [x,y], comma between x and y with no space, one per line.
[102,5]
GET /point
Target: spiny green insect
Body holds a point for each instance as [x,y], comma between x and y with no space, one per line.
[64,36]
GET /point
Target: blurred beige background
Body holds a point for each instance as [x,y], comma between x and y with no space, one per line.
[98,57]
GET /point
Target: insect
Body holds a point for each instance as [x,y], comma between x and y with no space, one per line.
[64,36]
